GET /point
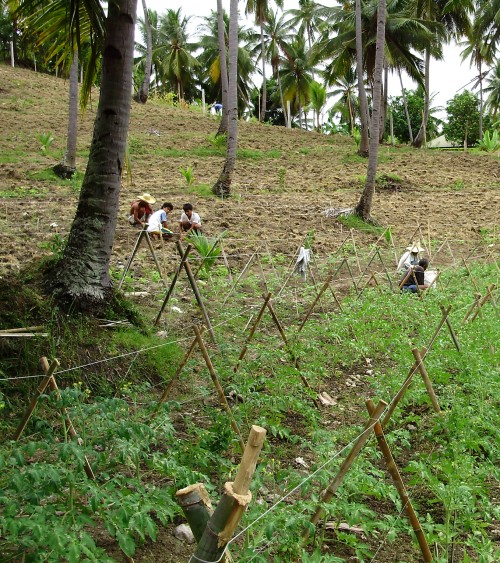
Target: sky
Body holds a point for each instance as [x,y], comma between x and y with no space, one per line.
[447,77]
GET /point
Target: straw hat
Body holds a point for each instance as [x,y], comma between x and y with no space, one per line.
[415,247]
[148,198]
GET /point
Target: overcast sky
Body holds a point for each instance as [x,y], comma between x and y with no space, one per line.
[447,76]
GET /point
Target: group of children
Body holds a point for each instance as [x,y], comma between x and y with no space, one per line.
[158,222]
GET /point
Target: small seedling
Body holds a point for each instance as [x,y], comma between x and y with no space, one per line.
[218,141]
[188,174]
[46,139]
[281,176]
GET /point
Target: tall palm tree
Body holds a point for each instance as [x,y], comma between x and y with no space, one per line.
[221,42]
[222,187]
[176,51]
[346,87]
[492,88]
[145,24]
[81,278]
[363,209]
[317,95]
[260,8]
[454,17]
[364,117]
[296,75]
[487,21]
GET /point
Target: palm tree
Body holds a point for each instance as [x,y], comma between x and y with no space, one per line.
[363,209]
[222,187]
[145,24]
[296,75]
[261,10]
[487,21]
[493,90]
[454,17]
[221,41]
[364,117]
[317,95]
[344,86]
[176,52]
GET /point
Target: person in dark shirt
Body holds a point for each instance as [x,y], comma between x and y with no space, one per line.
[413,279]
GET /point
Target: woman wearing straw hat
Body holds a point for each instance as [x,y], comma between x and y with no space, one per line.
[410,257]
[141,210]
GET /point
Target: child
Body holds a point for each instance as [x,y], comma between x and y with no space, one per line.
[158,222]
[189,221]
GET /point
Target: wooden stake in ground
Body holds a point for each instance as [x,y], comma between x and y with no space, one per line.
[197,508]
[252,332]
[328,493]
[223,522]
[450,328]
[425,376]
[220,391]
[488,296]
[318,297]
[398,483]
[240,276]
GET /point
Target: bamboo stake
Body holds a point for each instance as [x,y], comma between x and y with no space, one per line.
[239,277]
[313,304]
[425,376]
[195,503]
[67,421]
[445,312]
[226,263]
[488,295]
[170,290]
[252,332]
[196,292]
[223,522]
[328,493]
[473,280]
[177,373]
[339,304]
[352,277]
[355,251]
[26,329]
[41,388]
[148,240]
[477,299]
[450,328]
[402,390]
[220,391]
[398,483]
[385,269]
[277,322]
[296,361]
[129,261]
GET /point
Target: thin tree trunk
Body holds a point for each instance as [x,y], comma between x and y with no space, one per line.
[363,209]
[264,82]
[67,167]
[143,93]
[82,277]
[281,97]
[222,187]
[480,101]
[383,113]
[405,104]
[363,102]
[221,34]
[420,138]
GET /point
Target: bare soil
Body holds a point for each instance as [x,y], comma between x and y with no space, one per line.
[280,190]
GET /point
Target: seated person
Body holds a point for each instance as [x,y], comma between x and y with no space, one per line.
[410,257]
[158,222]
[414,278]
[141,210]
[189,221]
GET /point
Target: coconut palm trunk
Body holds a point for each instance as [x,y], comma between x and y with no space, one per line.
[82,277]
[363,102]
[67,167]
[419,140]
[363,209]
[221,33]
[222,187]
[405,104]
[143,94]
[264,81]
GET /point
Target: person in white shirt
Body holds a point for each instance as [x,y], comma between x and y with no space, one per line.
[189,221]
[158,222]
[410,257]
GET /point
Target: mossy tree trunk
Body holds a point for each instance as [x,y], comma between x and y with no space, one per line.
[82,277]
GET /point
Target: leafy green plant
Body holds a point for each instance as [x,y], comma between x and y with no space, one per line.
[56,245]
[46,140]
[356,135]
[188,174]
[281,177]
[218,141]
[490,141]
[207,247]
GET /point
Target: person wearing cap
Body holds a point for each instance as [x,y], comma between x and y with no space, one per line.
[141,210]
[410,257]
[157,224]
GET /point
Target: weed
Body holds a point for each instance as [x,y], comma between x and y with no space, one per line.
[353,221]
[356,135]
[56,245]
[217,141]
[281,176]
[458,185]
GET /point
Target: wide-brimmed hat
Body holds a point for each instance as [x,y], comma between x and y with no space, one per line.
[148,198]
[415,247]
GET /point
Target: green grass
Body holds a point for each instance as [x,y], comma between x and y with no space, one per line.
[356,222]
[22,192]
[214,151]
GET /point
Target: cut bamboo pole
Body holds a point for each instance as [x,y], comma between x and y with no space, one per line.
[477,299]
[355,251]
[318,297]
[344,468]
[25,329]
[220,391]
[334,295]
[226,263]
[352,277]
[170,290]
[425,376]
[473,280]
[388,276]
[69,425]
[197,508]
[487,296]
[223,522]
[398,483]
[40,390]
[277,322]
[177,373]
[131,258]
[450,328]
[197,293]
[155,258]
[252,332]
[239,277]
[445,312]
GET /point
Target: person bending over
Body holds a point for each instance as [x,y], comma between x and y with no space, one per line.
[189,221]
[141,210]
[158,222]
[413,279]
